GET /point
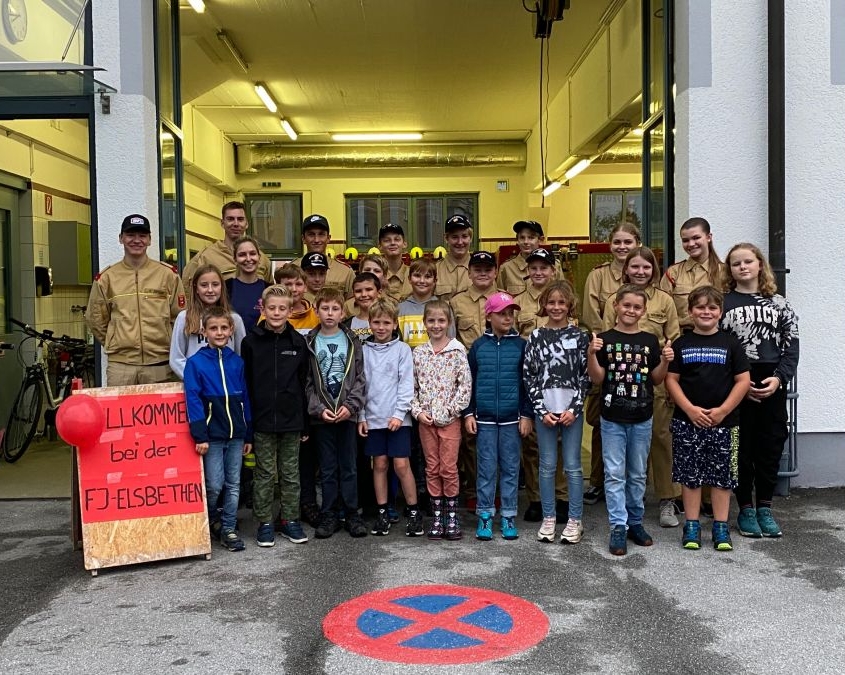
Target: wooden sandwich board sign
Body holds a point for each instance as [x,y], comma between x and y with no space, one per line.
[141,486]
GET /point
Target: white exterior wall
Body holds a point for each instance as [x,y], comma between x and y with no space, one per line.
[126,139]
[721,174]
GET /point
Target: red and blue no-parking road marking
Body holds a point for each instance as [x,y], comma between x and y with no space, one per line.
[436,624]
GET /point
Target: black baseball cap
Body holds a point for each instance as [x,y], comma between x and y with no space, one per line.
[457,222]
[315,261]
[532,225]
[541,254]
[391,228]
[482,258]
[315,221]
[135,223]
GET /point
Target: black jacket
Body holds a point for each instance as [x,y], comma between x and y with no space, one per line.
[276,371]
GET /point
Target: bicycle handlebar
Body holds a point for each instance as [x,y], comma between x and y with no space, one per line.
[47,335]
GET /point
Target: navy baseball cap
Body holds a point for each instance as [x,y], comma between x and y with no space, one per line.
[457,222]
[135,223]
[532,225]
[315,221]
[315,261]
[482,258]
[390,228]
[541,254]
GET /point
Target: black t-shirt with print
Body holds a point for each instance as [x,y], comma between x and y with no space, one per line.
[707,365]
[627,392]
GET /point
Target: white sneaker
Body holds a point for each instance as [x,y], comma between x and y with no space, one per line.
[572,532]
[667,513]
[547,529]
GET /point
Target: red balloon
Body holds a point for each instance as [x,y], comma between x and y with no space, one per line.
[80,420]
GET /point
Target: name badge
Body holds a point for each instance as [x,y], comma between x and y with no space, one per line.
[570,343]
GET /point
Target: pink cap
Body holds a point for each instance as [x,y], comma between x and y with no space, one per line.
[499,302]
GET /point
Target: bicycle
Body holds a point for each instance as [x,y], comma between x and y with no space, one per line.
[75,359]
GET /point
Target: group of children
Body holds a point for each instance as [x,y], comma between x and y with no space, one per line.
[321,377]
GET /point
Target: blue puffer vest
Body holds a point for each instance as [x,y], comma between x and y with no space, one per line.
[498,394]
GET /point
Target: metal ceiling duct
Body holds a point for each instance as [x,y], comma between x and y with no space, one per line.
[256,158]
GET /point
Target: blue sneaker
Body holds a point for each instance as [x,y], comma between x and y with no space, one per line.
[767,523]
[692,535]
[265,536]
[231,541]
[722,536]
[618,542]
[292,530]
[509,530]
[484,531]
[747,524]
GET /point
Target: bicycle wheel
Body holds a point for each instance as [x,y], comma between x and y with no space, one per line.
[22,421]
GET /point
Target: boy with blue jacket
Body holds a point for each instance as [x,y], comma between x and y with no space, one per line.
[220,419]
[499,412]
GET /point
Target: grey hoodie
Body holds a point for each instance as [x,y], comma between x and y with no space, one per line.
[389,371]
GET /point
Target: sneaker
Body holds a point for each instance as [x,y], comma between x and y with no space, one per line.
[572,532]
[326,526]
[668,517]
[768,525]
[392,514]
[381,526]
[547,529]
[594,494]
[562,511]
[722,536]
[618,545]
[509,530]
[747,523]
[414,526]
[292,531]
[310,514]
[706,509]
[534,513]
[231,541]
[692,535]
[637,534]
[484,531]
[265,537]
[355,526]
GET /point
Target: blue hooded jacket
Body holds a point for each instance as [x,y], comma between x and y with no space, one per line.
[215,395]
[498,393]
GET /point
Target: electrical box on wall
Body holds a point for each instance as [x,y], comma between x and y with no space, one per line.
[70,252]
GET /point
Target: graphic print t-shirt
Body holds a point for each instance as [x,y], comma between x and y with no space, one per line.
[331,357]
[627,393]
[707,365]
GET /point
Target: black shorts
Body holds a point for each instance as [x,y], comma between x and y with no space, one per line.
[381,442]
[704,456]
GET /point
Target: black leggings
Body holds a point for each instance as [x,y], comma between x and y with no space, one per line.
[762,434]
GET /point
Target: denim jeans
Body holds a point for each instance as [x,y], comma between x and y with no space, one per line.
[625,450]
[570,440]
[338,450]
[222,464]
[499,447]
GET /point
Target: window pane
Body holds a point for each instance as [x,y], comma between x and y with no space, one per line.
[275,221]
[464,206]
[656,57]
[605,212]
[394,211]
[657,229]
[164,67]
[362,222]
[428,232]
[171,194]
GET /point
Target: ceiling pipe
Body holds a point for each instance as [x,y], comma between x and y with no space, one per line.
[256,158]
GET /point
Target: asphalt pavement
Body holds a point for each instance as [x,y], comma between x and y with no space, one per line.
[770,606]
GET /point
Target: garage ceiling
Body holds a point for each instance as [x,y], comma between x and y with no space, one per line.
[456,70]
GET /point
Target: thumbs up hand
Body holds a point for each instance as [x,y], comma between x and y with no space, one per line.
[667,354]
[596,344]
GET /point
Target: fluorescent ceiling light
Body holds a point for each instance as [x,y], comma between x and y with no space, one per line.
[576,169]
[265,97]
[378,137]
[198,5]
[551,187]
[233,50]
[289,130]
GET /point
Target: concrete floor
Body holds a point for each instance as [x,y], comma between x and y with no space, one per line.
[770,606]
